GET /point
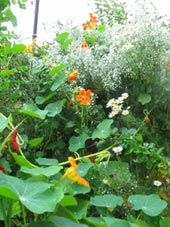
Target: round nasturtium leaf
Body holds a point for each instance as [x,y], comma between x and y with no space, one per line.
[151,205]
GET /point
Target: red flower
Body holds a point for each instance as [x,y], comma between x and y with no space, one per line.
[93,159]
[13,140]
[2,168]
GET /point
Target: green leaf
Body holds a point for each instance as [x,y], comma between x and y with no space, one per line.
[80,210]
[151,205]
[109,201]
[56,69]
[60,79]
[55,108]
[83,168]
[96,221]
[47,161]
[103,130]
[118,174]
[42,224]
[165,222]
[61,221]
[5,191]
[66,44]
[38,197]
[101,28]
[18,48]
[77,142]
[46,171]
[6,72]
[3,122]
[118,222]
[68,200]
[33,111]
[35,142]
[62,37]
[42,99]
[21,161]
[79,189]
[144,98]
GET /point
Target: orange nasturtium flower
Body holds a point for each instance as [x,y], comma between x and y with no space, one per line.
[84,45]
[93,18]
[84,96]
[73,75]
[88,25]
[168,66]
[85,26]
[73,175]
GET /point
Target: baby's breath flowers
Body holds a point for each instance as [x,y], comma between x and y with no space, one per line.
[116,105]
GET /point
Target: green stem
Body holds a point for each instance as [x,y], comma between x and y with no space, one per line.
[139,215]
[9,214]
[21,153]
[82,116]
[100,153]
[3,212]
[24,215]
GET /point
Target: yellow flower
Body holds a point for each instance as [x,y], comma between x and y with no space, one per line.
[28,49]
[73,175]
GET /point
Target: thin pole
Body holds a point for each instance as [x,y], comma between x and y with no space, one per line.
[34,36]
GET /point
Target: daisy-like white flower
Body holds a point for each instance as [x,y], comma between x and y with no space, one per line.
[125,95]
[157,183]
[117,107]
[110,103]
[119,100]
[113,113]
[105,181]
[117,150]
[125,112]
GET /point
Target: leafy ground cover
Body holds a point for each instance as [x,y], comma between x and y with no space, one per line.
[84,124]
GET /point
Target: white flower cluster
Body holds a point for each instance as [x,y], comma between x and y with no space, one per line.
[117,106]
[135,49]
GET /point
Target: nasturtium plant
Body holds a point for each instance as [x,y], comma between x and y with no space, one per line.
[109,201]
[46,171]
[103,129]
[77,142]
[36,196]
[33,111]
[3,122]
[151,205]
